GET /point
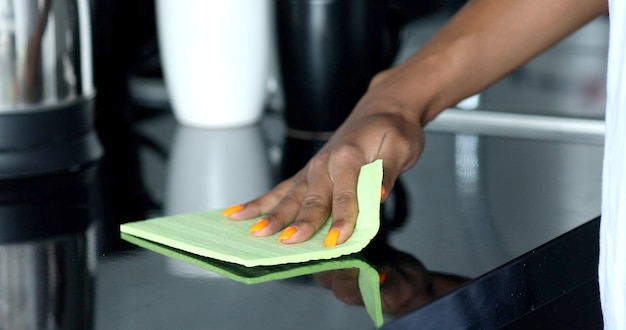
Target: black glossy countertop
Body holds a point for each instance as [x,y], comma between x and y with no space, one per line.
[464,224]
[472,204]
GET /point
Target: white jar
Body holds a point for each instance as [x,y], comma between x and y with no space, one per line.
[215,57]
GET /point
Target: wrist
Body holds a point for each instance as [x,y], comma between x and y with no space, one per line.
[414,89]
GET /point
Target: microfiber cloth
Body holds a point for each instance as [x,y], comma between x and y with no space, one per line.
[209,234]
[369,279]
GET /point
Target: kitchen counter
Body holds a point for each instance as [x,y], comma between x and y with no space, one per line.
[472,204]
[472,210]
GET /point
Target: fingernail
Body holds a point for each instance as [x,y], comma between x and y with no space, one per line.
[382,277]
[287,233]
[382,192]
[331,238]
[258,225]
[232,209]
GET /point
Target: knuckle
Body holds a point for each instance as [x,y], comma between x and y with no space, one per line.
[291,197]
[266,201]
[345,151]
[318,162]
[378,78]
[345,197]
[314,201]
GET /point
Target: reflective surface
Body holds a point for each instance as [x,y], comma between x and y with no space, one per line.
[48,251]
[45,52]
[545,289]
[48,284]
[46,87]
[472,204]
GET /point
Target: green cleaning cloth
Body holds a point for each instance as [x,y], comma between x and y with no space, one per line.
[209,234]
[369,279]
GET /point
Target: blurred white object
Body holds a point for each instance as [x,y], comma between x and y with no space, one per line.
[470,103]
[199,180]
[215,57]
[612,269]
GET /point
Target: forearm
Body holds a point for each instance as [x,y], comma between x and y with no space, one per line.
[486,40]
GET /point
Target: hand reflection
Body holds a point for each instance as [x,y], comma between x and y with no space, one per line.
[405,283]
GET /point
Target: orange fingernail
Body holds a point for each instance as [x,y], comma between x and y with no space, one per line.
[382,277]
[331,238]
[258,225]
[287,233]
[382,192]
[232,209]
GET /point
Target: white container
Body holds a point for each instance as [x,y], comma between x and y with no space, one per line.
[216,168]
[215,56]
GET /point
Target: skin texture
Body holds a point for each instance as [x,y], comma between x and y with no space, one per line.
[486,40]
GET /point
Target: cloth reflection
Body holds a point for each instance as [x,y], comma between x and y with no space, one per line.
[354,279]
[367,276]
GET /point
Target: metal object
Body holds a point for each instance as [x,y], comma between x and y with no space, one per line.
[45,53]
[519,125]
[46,87]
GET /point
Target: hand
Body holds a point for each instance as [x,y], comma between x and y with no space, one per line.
[483,42]
[378,128]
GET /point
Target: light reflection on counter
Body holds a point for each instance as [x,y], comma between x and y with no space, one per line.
[48,242]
